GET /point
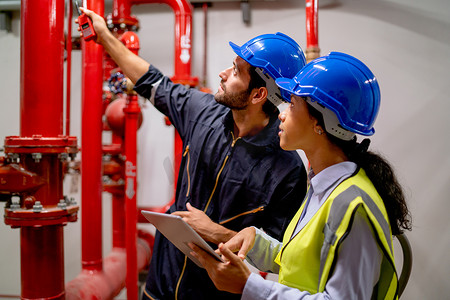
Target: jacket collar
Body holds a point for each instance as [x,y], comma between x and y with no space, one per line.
[268,137]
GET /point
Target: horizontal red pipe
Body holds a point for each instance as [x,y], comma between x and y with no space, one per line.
[92,284]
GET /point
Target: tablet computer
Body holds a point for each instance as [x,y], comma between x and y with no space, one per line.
[179,233]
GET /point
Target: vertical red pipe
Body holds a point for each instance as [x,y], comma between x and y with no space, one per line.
[122,9]
[91,149]
[205,43]
[183,21]
[41,67]
[118,210]
[41,94]
[118,222]
[68,64]
[132,111]
[43,276]
[311,23]
[312,40]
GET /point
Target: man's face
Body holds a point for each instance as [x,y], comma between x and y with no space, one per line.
[233,90]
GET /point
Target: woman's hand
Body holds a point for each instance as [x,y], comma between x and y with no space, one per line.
[242,242]
[230,276]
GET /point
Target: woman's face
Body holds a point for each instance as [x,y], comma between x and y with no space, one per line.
[297,125]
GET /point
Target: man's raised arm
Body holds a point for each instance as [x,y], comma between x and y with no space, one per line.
[132,65]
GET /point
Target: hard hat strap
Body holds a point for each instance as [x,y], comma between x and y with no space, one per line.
[274,94]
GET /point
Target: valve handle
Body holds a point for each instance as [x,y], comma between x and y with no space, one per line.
[117,83]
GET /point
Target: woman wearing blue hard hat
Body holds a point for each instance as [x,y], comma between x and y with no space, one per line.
[339,244]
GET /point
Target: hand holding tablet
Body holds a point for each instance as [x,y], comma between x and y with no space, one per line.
[179,233]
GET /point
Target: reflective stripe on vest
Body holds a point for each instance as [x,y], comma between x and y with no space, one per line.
[337,212]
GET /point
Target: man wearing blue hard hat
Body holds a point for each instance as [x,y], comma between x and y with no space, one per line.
[233,173]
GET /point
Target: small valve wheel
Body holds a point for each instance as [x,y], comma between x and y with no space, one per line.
[117,83]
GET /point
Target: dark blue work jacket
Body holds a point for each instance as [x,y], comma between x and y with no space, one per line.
[238,182]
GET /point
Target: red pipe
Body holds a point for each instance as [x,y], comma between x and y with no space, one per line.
[118,221]
[132,112]
[312,43]
[91,146]
[205,43]
[183,38]
[118,209]
[69,64]
[311,23]
[121,9]
[42,58]
[41,94]
[91,284]
[43,267]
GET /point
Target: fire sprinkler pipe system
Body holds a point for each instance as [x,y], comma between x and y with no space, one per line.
[312,41]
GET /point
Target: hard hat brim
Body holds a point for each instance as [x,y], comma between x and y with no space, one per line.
[287,87]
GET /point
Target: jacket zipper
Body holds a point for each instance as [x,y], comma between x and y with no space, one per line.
[220,171]
[186,152]
[181,276]
[207,204]
[243,214]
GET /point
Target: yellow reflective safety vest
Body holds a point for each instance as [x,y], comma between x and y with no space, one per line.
[307,259]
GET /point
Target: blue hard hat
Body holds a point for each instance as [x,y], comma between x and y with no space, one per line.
[338,85]
[276,55]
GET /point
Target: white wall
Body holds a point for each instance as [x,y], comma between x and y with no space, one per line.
[406,43]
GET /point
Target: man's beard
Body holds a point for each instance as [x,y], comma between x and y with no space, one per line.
[238,101]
